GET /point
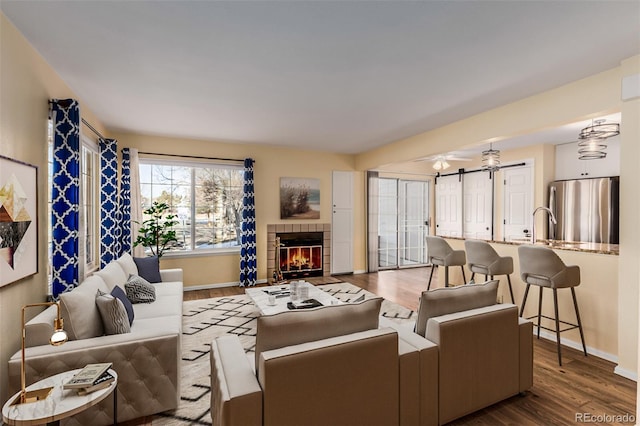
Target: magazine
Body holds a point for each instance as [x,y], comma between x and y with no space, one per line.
[87,376]
[101,382]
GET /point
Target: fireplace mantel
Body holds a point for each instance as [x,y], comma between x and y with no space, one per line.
[284,228]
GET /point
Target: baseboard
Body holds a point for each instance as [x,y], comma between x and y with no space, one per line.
[218,285]
[632,375]
[577,345]
[360,271]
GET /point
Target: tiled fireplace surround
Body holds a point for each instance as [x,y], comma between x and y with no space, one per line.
[283,228]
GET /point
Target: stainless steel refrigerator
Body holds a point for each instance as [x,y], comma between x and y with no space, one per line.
[586,210]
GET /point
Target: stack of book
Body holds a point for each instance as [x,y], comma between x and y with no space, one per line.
[91,378]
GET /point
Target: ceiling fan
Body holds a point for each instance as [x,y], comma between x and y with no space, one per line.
[441,161]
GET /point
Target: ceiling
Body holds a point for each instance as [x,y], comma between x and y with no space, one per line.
[341,76]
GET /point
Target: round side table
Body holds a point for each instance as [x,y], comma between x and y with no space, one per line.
[60,404]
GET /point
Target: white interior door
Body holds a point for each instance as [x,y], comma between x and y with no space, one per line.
[413,212]
[387,223]
[342,223]
[478,205]
[518,202]
[449,206]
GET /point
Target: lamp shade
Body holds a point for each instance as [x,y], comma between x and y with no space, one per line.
[491,159]
[592,139]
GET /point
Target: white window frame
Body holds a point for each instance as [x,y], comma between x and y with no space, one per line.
[89,215]
[194,251]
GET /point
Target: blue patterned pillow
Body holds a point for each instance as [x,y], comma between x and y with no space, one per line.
[149,268]
[139,290]
[114,315]
[119,293]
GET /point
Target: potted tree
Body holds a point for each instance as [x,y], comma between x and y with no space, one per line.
[157,232]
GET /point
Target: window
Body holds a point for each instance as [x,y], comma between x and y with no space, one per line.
[205,197]
[88,238]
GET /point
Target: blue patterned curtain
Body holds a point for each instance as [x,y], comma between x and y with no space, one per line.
[109,225]
[248,263]
[124,213]
[65,194]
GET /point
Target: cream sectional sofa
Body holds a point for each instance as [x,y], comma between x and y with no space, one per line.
[147,359]
[329,366]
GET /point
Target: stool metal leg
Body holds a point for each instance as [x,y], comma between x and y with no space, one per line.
[446,276]
[575,305]
[524,299]
[513,300]
[464,279]
[539,310]
[555,306]
[431,276]
[473,274]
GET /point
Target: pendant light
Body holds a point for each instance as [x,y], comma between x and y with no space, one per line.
[592,140]
[491,159]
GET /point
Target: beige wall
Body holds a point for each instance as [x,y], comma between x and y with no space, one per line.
[271,164]
[26,83]
[629,230]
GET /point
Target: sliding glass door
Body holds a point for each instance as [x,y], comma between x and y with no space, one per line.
[403,214]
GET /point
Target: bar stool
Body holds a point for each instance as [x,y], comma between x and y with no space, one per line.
[440,253]
[541,266]
[483,259]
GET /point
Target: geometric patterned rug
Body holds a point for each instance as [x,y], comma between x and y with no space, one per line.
[205,319]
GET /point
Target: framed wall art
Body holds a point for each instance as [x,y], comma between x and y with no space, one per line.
[299,198]
[18,220]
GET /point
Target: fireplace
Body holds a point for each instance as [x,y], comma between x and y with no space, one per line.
[313,234]
[301,254]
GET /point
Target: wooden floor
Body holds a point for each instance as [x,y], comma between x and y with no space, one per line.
[583,386]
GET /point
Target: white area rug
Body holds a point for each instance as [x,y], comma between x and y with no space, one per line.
[205,319]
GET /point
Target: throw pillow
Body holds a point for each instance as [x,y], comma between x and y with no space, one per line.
[119,294]
[148,268]
[139,290]
[448,300]
[113,275]
[127,264]
[295,327]
[78,310]
[114,315]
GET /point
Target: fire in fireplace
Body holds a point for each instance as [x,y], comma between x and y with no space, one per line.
[301,254]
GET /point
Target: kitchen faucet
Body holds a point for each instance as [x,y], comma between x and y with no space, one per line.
[533,228]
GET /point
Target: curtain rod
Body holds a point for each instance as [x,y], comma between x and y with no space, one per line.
[192,156]
[86,123]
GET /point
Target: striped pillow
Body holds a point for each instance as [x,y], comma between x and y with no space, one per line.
[114,315]
[139,290]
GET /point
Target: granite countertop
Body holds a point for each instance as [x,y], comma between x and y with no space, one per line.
[599,248]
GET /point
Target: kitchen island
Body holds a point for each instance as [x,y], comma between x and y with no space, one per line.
[597,294]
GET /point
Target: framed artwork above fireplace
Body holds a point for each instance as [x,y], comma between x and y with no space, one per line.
[299,198]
